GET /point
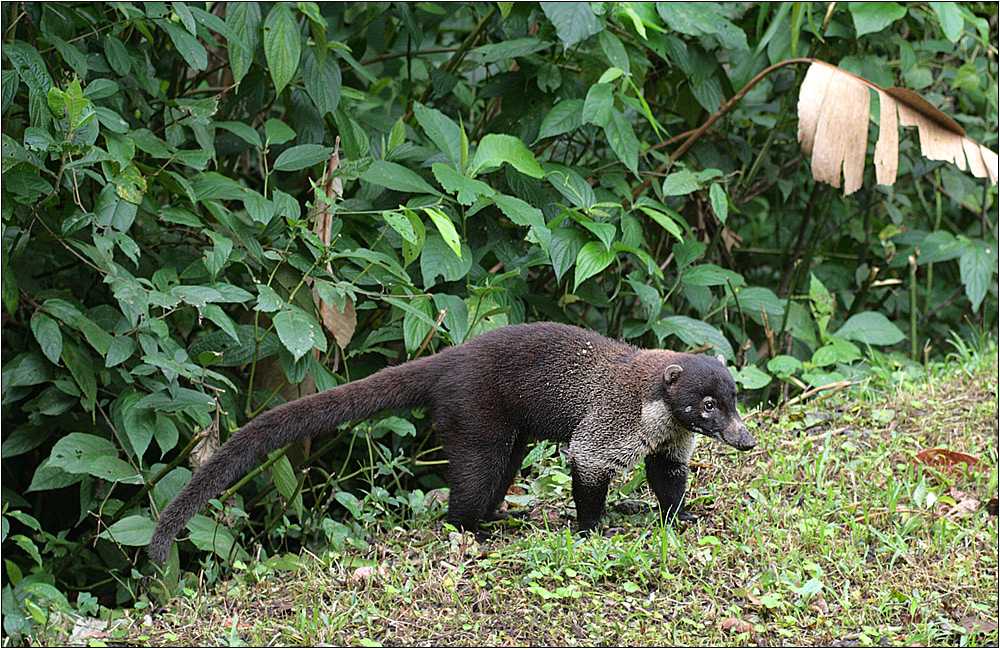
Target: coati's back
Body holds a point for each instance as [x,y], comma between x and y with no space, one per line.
[543,376]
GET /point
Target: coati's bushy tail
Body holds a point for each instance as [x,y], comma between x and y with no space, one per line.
[401,387]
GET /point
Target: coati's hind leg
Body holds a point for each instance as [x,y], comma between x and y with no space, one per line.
[480,469]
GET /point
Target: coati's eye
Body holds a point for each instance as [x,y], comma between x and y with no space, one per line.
[709,404]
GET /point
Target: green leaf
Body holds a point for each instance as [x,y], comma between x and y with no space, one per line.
[976,267]
[711,275]
[447,229]
[194,52]
[612,47]
[402,225]
[871,17]
[668,221]
[210,536]
[720,202]
[277,132]
[680,183]
[323,81]
[283,476]
[121,349]
[396,177]
[571,185]
[117,55]
[268,301]
[510,49]
[871,328]
[25,370]
[282,45]
[784,366]
[135,531]
[951,19]
[623,142]
[466,190]
[694,333]
[495,149]
[566,116]
[751,378]
[574,21]
[79,365]
[81,453]
[598,106]
[215,313]
[302,156]
[29,65]
[298,331]
[593,258]
[438,259]
[524,215]
[46,331]
[442,131]
[71,55]
[564,248]
[243,131]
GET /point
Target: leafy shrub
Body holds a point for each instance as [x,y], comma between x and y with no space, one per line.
[210,208]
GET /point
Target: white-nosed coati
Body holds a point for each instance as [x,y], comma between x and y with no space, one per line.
[614,404]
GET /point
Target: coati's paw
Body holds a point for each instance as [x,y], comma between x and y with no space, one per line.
[520,514]
[685,517]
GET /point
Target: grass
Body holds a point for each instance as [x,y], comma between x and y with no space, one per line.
[831,532]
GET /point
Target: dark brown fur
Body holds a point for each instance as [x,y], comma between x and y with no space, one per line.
[614,404]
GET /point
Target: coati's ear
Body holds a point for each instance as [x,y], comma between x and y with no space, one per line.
[671,373]
[722,359]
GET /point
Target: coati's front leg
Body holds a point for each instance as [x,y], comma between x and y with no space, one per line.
[590,490]
[667,476]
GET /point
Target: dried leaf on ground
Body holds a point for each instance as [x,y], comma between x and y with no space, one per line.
[833,129]
[948,461]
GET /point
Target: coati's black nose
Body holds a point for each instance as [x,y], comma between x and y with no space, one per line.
[737,436]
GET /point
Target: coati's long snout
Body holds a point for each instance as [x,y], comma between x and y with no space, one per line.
[737,436]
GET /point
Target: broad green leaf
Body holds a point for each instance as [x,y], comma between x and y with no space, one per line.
[284,479]
[117,55]
[574,21]
[27,369]
[566,116]
[215,313]
[612,47]
[495,149]
[79,365]
[122,348]
[396,177]
[598,106]
[322,79]
[437,259]
[267,300]
[133,531]
[694,333]
[784,366]
[680,183]
[564,248]
[188,46]
[720,202]
[447,229]
[871,17]
[752,378]
[593,258]
[298,331]
[82,453]
[977,268]
[243,131]
[210,536]
[46,331]
[402,225]
[623,142]
[871,328]
[571,185]
[668,222]
[302,156]
[277,132]
[951,19]
[466,190]
[712,275]
[29,65]
[282,45]
[525,215]
[510,49]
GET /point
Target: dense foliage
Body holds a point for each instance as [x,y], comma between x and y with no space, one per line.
[209,208]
